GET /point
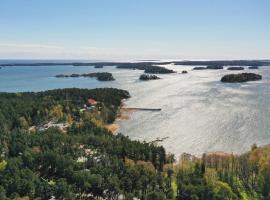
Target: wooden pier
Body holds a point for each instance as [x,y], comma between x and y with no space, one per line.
[158,140]
[144,109]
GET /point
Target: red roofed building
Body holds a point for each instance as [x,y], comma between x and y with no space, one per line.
[91,102]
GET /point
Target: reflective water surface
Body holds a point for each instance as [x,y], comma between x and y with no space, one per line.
[199,113]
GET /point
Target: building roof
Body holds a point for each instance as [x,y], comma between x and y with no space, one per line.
[91,101]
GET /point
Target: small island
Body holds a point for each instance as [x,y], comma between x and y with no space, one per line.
[97,66]
[147,77]
[214,67]
[148,68]
[238,78]
[157,70]
[236,68]
[199,68]
[101,76]
[184,72]
[253,67]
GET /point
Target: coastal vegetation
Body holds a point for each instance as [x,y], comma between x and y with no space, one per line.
[151,69]
[135,64]
[225,176]
[224,62]
[88,162]
[199,68]
[214,67]
[85,162]
[235,68]
[157,70]
[98,66]
[101,76]
[147,77]
[253,67]
[243,77]
[184,72]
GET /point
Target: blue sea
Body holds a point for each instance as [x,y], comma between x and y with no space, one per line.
[199,113]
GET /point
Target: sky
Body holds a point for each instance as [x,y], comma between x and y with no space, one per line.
[135,29]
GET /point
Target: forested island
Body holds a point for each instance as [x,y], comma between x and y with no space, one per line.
[214,67]
[184,72]
[253,67]
[158,70]
[147,77]
[86,161]
[235,68]
[243,77]
[151,69]
[199,68]
[136,64]
[101,76]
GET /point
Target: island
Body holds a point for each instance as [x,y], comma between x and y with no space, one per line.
[75,75]
[235,68]
[253,67]
[137,64]
[214,67]
[243,77]
[148,68]
[101,76]
[147,77]
[158,70]
[199,68]
[98,66]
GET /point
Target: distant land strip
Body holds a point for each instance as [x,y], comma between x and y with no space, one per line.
[132,64]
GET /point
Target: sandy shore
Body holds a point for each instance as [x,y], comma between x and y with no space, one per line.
[123,114]
[113,128]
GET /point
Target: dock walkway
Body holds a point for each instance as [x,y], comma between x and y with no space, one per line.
[144,109]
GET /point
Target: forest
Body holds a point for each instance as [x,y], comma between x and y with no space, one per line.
[148,68]
[86,161]
[101,76]
[134,65]
[147,77]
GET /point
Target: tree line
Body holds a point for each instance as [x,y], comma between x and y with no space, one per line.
[88,162]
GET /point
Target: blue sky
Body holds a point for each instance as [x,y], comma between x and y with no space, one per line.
[135,29]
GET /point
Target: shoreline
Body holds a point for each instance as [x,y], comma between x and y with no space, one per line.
[122,115]
[228,62]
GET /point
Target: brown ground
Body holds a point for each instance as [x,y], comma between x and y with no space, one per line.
[113,128]
[122,115]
